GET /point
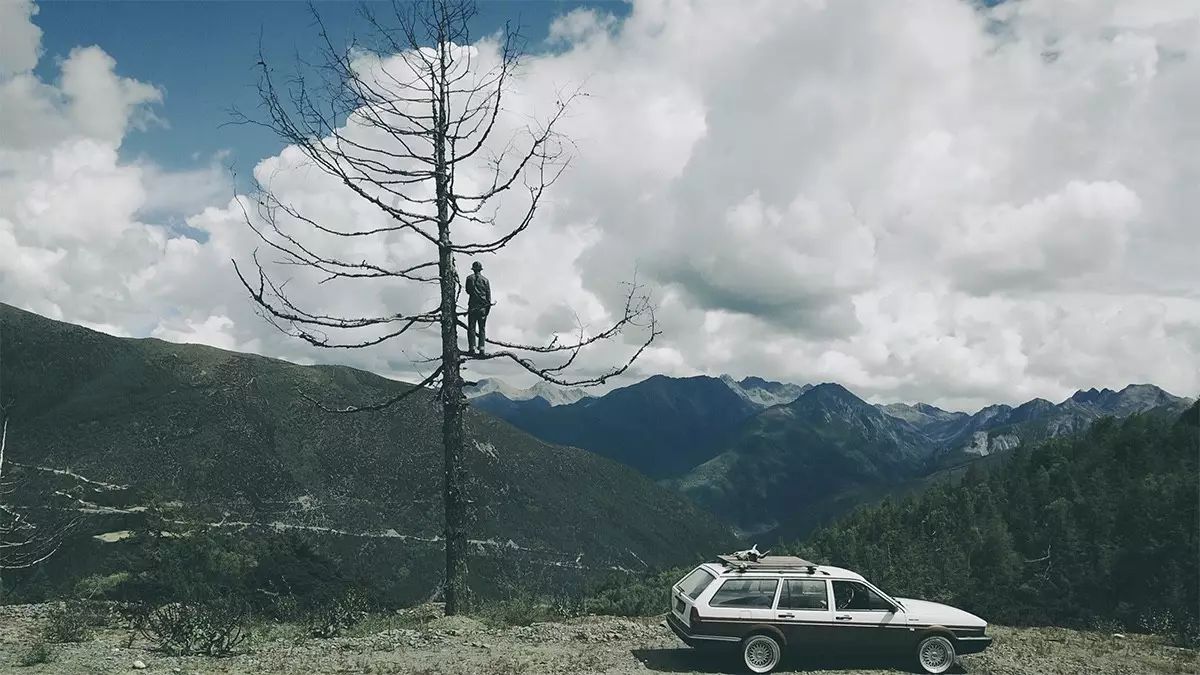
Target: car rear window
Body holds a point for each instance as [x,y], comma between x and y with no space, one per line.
[695,583]
[745,593]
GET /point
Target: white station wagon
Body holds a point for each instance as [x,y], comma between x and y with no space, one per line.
[780,603]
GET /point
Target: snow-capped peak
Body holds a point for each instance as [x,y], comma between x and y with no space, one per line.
[552,394]
[765,393]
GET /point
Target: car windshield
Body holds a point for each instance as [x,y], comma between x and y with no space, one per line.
[888,596]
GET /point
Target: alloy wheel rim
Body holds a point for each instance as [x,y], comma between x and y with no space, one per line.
[761,654]
[934,655]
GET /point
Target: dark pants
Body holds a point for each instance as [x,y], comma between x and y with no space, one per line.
[476,325]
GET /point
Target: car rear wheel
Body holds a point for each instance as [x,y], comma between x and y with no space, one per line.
[761,653]
[935,654]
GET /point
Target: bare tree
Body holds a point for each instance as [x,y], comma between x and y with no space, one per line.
[24,542]
[408,119]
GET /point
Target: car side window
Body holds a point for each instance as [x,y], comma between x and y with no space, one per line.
[854,596]
[804,594]
[753,593]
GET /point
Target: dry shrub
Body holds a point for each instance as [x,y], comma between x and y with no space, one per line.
[211,628]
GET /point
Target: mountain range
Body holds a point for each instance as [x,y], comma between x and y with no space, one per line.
[661,426]
[776,458]
[550,393]
[127,432]
[789,457]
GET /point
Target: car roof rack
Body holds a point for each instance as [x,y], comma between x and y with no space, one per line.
[770,563]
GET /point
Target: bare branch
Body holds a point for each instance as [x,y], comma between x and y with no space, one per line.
[284,310]
[638,313]
[382,405]
[1043,558]
[24,543]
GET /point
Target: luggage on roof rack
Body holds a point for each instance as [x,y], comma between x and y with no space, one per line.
[770,563]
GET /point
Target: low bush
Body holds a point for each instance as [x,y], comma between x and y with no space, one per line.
[212,628]
[522,609]
[38,653]
[1178,630]
[280,607]
[71,621]
[333,618]
[618,595]
[100,586]
[1186,635]
[280,577]
[633,595]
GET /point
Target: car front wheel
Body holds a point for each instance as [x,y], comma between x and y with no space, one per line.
[761,653]
[935,654]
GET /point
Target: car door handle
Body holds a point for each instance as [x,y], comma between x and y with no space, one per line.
[786,616]
[844,617]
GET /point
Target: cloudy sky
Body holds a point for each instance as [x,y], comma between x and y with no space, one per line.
[922,200]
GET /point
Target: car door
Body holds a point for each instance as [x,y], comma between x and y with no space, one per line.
[803,612]
[864,620]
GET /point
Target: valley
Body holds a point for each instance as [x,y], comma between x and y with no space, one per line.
[776,460]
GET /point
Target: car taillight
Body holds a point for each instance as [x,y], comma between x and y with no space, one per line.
[694,617]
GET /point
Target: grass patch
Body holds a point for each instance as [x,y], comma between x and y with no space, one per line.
[526,608]
[38,653]
[412,618]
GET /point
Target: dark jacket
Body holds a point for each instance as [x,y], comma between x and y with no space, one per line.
[479,292]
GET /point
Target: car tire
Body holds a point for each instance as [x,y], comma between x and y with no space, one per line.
[935,654]
[761,653]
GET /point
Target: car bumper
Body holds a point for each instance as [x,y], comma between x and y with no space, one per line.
[680,630]
[972,645]
[696,639]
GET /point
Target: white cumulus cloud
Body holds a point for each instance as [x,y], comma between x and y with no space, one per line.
[925,200]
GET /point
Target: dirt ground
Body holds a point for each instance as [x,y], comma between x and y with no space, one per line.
[403,645]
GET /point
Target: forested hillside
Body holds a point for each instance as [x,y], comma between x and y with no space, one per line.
[129,436]
[804,455]
[1095,529]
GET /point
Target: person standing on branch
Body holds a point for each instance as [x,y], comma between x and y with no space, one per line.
[479,302]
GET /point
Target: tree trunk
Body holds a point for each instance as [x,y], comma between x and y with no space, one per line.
[452,442]
[454,503]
